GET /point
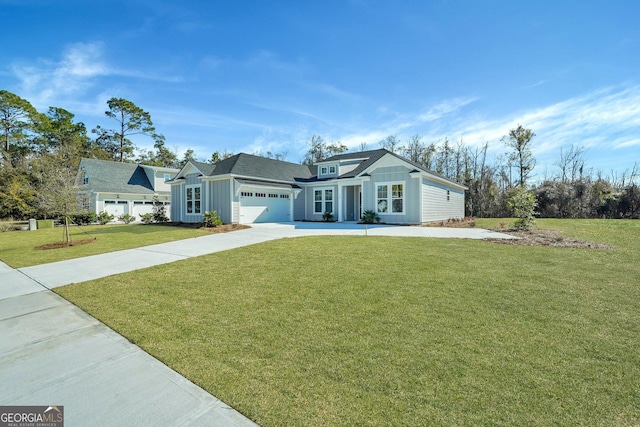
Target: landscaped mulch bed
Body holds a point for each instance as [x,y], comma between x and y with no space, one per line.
[224,228]
[545,238]
[58,245]
[535,237]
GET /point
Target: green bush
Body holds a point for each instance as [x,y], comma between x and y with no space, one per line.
[146,218]
[211,219]
[104,217]
[84,218]
[327,217]
[126,218]
[369,217]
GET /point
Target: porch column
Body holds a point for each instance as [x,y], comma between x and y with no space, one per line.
[339,202]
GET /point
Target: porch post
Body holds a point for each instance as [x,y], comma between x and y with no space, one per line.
[339,202]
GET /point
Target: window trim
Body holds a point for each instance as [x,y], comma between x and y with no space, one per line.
[323,200]
[389,199]
[193,202]
[328,170]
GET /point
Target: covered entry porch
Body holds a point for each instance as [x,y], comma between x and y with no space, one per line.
[349,203]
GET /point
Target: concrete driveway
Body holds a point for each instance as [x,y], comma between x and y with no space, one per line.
[55,354]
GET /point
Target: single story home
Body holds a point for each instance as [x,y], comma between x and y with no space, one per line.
[247,189]
[123,188]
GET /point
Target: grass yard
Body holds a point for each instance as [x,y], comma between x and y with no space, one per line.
[397,331]
[17,248]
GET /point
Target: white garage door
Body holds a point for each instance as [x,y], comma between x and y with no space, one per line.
[116,207]
[259,205]
[141,208]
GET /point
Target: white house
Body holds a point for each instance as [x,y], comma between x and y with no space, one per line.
[123,188]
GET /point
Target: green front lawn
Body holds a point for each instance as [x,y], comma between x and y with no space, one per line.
[397,331]
[17,248]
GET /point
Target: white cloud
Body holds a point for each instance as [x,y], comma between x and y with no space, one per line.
[80,68]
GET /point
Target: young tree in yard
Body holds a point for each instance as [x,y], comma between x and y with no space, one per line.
[524,204]
[131,120]
[58,196]
[519,140]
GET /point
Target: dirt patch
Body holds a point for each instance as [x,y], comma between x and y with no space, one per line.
[545,238]
[58,245]
[528,238]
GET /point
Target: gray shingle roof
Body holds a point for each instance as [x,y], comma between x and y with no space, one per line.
[115,177]
[258,167]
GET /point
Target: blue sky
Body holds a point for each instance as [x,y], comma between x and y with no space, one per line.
[265,76]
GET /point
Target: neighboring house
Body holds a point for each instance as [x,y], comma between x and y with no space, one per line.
[246,189]
[123,188]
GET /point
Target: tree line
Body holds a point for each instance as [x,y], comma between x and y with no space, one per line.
[40,153]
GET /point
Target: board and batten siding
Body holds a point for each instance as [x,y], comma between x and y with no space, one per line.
[177,203]
[219,199]
[299,203]
[193,179]
[393,174]
[311,215]
[436,207]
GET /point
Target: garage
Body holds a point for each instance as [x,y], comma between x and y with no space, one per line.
[116,207]
[264,205]
[141,208]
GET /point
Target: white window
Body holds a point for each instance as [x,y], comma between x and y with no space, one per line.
[167,176]
[246,194]
[390,198]
[324,170]
[193,199]
[448,195]
[323,200]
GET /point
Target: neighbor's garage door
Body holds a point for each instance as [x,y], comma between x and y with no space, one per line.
[116,207]
[141,208]
[259,205]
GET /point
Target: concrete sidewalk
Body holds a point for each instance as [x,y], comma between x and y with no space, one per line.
[55,354]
